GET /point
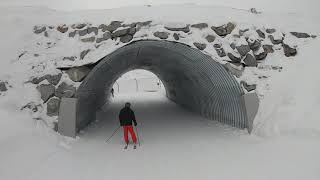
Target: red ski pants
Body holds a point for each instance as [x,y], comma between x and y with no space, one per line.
[127,129]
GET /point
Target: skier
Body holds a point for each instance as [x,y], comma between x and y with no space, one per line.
[112,92]
[126,117]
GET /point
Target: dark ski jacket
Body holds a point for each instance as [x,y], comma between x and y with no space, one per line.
[126,116]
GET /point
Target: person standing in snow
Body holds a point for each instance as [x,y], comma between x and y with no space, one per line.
[126,117]
[112,92]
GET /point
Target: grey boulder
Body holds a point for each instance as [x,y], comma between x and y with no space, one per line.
[83,32]
[261,34]
[124,32]
[224,29]
[242,31]
[52,79]
[73,33]
[3,87]
[65,90]
[255,45]
[185,29]
[126,38]
[250,60]
[120,32]
[103,27]
[89,39]
[200,46]
[53,106]
[62,28]
[32,106]
[275,41]
[234,58]
[300,35]
[46,91]
[248,87]
[268,48]
[161,35]
[233,46]
[84,53]
[210,38]
[77,74]
[261,56]
[220,51]
[39,29]
[114,25]
[145,23]
[78,26]
[289,51]
[92,29]
[270,30]
[200,25]
[176,36]
[70,58]
[235,69]
[105,36]
[243,49]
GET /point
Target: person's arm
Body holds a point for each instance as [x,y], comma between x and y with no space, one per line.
[133,118]
[120,114]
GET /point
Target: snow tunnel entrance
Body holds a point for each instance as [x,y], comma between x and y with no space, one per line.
[137,81]
[191,79]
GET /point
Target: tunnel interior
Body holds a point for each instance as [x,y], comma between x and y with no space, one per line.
[191,79]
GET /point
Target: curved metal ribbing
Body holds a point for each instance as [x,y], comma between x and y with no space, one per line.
[191,78]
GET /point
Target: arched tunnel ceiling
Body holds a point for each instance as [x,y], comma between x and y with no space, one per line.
[191,78]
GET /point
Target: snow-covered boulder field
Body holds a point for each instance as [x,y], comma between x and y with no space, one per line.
[50,52]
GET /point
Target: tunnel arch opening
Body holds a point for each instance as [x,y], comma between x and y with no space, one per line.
[191,79]
[137,81]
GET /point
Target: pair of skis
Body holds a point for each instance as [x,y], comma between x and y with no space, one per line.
[126,146]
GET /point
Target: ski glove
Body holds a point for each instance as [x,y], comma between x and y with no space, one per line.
[135,124]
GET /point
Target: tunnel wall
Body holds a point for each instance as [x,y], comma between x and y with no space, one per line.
[191,78]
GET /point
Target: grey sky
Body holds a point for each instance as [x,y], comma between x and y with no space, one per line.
[267,5]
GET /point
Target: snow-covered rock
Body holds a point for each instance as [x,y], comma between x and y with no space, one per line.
[65,90]
[161,35]
[289,51]
[53,106]
[200,46]
[3,87]
[77,74]
[46,91]
[250,60]
[200,25]
[224,29]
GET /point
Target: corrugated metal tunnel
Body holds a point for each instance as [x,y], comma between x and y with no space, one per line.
[191,79]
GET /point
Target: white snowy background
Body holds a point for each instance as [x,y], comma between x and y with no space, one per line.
[176,144]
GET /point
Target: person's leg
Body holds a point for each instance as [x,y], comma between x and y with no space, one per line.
[125,134]
[133,134]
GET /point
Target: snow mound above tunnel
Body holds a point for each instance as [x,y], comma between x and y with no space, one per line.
[278,99]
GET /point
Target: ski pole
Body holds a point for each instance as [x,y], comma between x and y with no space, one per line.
[113,134]
[138,136]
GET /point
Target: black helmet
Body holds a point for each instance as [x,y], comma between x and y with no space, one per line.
[127,104]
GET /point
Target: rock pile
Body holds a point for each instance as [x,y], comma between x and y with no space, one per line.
[239,47]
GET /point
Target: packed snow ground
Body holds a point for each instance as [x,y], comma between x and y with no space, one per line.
[175,144]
